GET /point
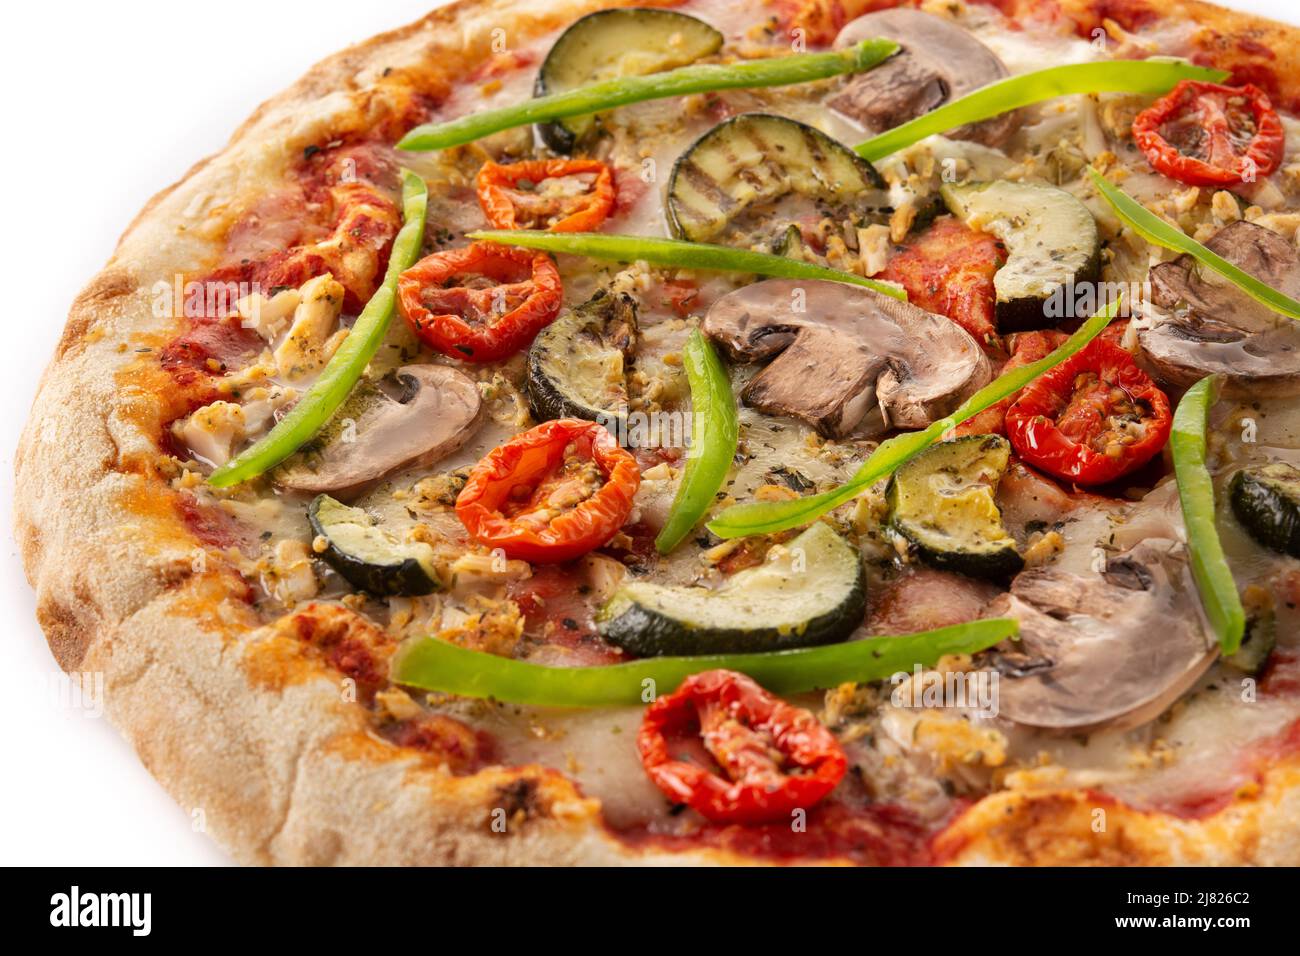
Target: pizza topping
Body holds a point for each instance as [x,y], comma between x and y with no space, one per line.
[1026,347]
[610,44]
[942,503]
[714,438]
[1266,500]
[1051,243]
[481,303]
[1161,233]
[838,352]
[753,160]
[436,665]
[550,494]
[1152,76]
[349,361]
[214,431]
[675,253]
[412,418]
[939,62]
[1092,419]
[1212,327]
[578,365]
[1206,134]
[369,556]
[1114,649]
[811,591]
[563,195]
[1214,579]
[604,95]
[772,759]
[766,517]
[312,340]
[949,270]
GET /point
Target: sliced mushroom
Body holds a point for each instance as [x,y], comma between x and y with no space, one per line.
[411,418]
[1111,650]
[839,351]
[938,62]
[1212,326]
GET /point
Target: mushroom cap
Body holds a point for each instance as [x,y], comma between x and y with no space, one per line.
[938,62]
[411,418]
[1214,327]
[839,350]
[1111,650]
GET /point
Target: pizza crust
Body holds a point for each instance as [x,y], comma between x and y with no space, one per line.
[283,769]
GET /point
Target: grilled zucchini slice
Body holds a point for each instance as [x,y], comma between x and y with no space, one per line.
[577,365]
[369,557]
[813,592]
[942,504]
[1266,500]
[612,43]
[1052,247]
[1257,646]
[759,157]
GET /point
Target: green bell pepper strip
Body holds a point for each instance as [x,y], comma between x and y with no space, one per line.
[715,430]
[346,366]
[678,253]
[1210,569]
[434,665]
[1154,76]
[1155,230]
[606,94]
[765,517]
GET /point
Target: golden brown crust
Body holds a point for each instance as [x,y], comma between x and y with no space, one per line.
[290,771]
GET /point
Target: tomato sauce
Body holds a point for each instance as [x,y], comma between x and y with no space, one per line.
[870,835]
[558,609]
[212,526]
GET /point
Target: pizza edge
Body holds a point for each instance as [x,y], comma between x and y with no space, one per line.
[281,769]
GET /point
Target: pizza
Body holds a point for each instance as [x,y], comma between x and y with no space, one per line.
[783,432]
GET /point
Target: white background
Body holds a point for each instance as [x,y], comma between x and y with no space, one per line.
[105,104]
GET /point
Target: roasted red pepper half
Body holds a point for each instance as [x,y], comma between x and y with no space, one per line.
[776,758]
[561,195]
[550,494]
[1091,419]
[481,303]
[1205,134]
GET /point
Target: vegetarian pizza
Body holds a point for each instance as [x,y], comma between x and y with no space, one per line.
[781,432]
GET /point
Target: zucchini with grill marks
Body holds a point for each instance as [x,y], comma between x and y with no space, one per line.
[369,557]
[609,44]
[756,158]
[942,503]
[812,592]
[577,365]
[1266,500]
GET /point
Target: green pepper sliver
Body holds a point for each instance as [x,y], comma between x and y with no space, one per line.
[435,665]
[606,94]
[678,253]
[1210,568]
[1155,230]
[765,517]
[1153,76]
[715,430]
[347,365]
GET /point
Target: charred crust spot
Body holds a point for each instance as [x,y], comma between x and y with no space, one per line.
[519,799]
